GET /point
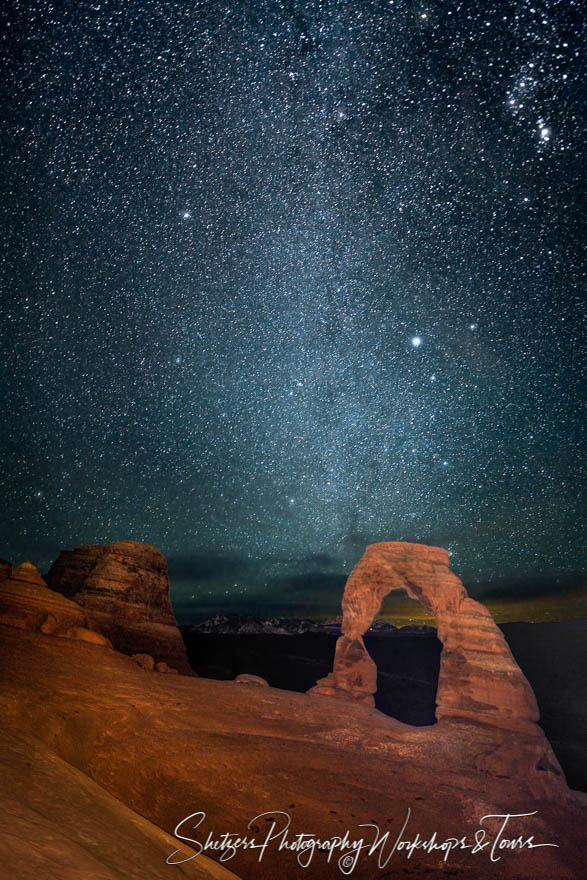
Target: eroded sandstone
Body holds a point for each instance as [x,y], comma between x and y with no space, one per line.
[26,602]
[124,590]
[479,677]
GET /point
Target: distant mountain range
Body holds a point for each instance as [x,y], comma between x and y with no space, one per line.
[236,624]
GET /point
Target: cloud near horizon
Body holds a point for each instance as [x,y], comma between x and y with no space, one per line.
[203,583]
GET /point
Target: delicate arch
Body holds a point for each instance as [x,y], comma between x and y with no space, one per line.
[479,677]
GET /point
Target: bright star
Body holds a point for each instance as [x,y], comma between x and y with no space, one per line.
[416,341]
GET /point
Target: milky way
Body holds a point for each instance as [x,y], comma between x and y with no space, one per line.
[281,279]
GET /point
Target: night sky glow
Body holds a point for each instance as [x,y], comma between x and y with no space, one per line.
[281,279]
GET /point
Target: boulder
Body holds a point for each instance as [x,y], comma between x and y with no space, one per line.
[50,625]
[255,680]
[144,660]
[83,634]
[124,590]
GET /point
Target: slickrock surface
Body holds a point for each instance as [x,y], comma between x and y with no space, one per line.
[57,824]
[168,746]
[27,602]
[478,679]
[124,590]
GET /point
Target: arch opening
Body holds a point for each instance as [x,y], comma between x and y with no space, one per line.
[407,660]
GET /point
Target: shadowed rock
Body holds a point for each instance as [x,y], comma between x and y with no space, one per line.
[5,569]
[124,590]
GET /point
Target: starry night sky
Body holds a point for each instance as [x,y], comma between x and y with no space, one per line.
[280,279]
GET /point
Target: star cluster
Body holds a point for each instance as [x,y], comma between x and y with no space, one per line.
[284,278]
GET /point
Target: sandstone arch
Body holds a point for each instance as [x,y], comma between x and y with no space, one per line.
[479,678]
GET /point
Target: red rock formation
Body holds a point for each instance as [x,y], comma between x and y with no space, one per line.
[27,603]
[479,682]
[479,678]
[124,590]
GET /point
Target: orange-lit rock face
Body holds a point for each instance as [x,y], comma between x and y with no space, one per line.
[27,603]
[478,679]
[124,590]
